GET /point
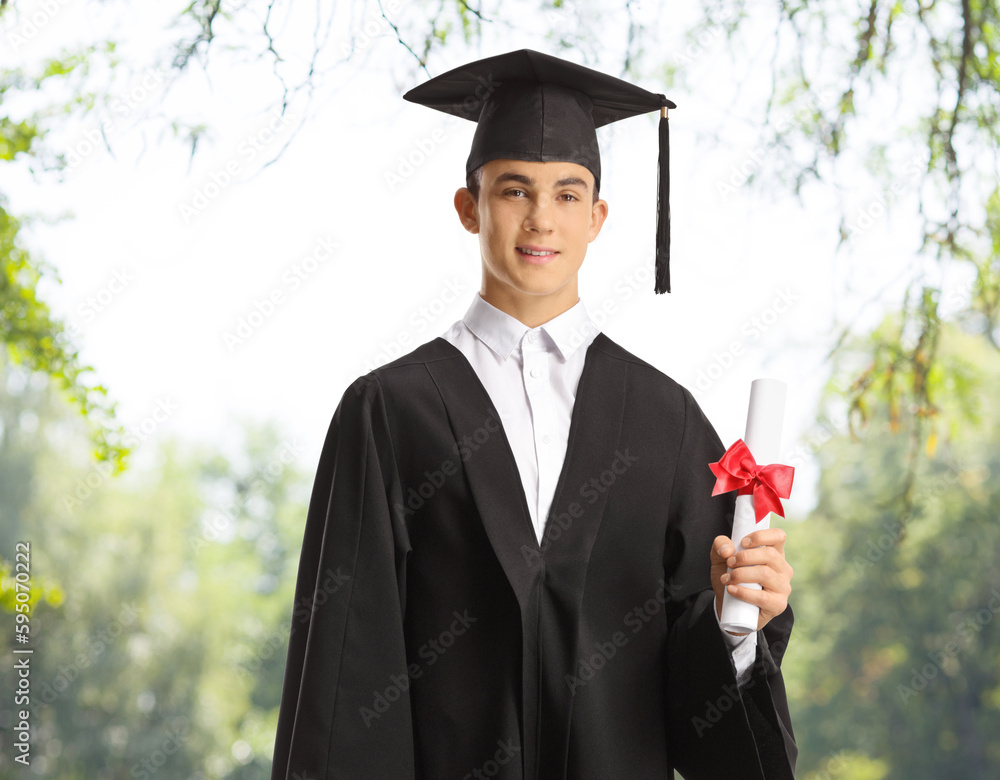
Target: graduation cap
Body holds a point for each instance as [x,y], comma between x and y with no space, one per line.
[532,106]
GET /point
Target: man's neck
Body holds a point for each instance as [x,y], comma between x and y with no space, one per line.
[532,310]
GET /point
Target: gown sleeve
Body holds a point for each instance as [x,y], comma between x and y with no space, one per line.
[716,728]
[345,709]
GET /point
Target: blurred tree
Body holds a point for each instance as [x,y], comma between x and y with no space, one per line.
[910,93]
[33,337]
[161,636]
[26,401]
[893,670]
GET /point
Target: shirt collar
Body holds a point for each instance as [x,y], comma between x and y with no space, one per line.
[501,332]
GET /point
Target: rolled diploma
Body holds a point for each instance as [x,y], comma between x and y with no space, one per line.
[763,438]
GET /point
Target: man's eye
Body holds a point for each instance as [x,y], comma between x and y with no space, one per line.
[511,192]
[569,195]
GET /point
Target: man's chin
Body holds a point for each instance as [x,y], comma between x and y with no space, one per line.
[540,288]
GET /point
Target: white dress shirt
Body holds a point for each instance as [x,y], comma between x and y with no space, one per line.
[531,375]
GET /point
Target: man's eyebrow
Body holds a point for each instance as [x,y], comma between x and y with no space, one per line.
[511,176]
[527,180]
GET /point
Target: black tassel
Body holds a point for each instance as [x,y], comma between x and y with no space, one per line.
[663,209]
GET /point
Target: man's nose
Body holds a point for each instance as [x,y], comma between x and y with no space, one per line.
[539,216]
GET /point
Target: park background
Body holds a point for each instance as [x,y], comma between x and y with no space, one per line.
[166,168]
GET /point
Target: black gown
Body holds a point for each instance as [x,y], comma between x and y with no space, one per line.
[433,637]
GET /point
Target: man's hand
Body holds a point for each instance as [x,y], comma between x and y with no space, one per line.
[764,563]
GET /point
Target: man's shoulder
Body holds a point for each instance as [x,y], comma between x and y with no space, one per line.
[430,351]
[642,371]
[401,368]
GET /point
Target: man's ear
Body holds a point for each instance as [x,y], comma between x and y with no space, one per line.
[598,214]
[468,209]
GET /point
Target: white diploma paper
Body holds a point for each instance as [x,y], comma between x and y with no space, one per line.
[763,438]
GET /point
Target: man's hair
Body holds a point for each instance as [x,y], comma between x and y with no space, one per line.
[474,181]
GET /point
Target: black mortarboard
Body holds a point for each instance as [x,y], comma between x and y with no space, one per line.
[532,106]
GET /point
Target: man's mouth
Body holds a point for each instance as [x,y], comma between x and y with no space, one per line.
[540,252]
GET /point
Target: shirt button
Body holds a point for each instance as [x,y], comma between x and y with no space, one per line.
[546,438]
[536,372]
[532,337]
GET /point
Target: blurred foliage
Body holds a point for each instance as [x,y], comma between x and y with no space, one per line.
[38,340]
[894,658]
[10,586]
[834,67]
[163,645]
[31,334]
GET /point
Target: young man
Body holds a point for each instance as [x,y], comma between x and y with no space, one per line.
[513,565]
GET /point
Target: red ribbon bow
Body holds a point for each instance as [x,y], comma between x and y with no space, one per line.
[737,470]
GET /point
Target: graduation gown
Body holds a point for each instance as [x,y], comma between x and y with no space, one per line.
[434,638]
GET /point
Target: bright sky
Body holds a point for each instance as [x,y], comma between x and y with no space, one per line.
[159,261]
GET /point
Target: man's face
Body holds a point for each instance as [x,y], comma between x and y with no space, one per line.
[529,207]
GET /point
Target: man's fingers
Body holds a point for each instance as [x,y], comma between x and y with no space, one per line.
[769,603]
[760,561]
[764,575]
[774,537]
[722,548]
[755,556]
